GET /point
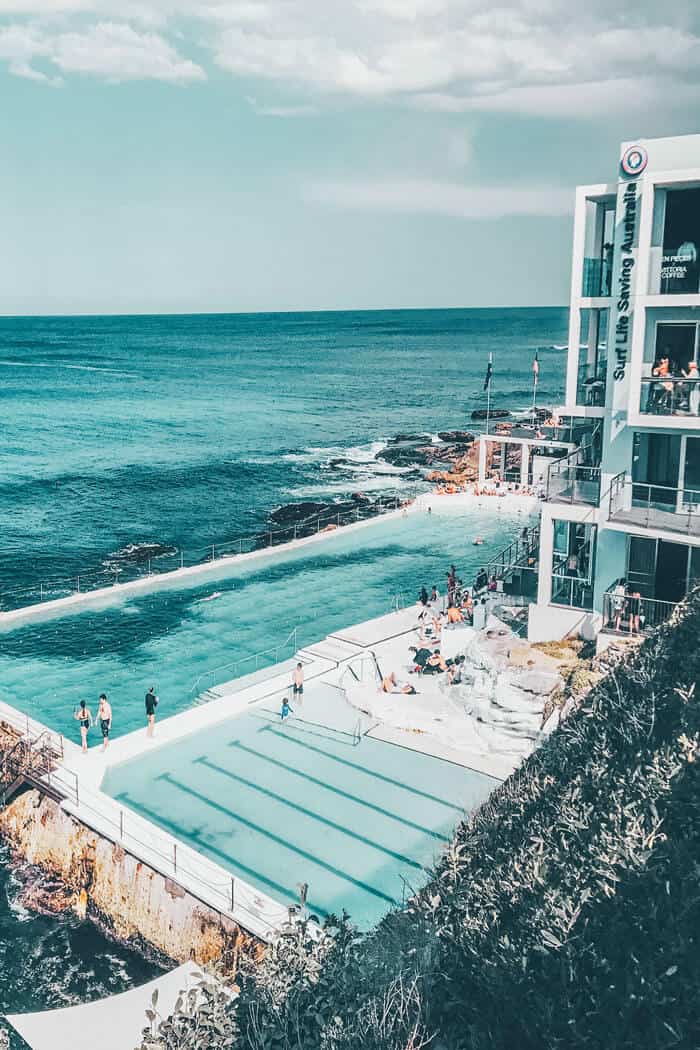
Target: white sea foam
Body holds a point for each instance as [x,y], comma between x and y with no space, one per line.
[63,364]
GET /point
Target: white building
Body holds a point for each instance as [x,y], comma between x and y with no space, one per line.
[633,513]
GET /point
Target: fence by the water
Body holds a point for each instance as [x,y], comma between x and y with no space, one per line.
[124,570]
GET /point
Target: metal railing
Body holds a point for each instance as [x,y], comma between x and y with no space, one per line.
[516,555]
[654,506]
[270,656]
[570,481]
[670,396]
[35,758]
[625,613]
[127,570]
[575,592]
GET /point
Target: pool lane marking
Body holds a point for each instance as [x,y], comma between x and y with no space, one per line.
[178,831]
[300,725]
[309,813]
[337,791]
[363,769]
[278,839]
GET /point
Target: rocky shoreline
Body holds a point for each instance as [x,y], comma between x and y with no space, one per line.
[451,456]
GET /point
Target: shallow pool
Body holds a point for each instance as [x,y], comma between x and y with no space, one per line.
[174,636]
[308,800]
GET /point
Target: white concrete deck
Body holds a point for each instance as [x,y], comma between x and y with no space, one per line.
[114,1023]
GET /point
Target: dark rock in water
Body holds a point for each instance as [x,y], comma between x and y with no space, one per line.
[361,497]
[402,439]
[404,456]
[337,463]
[463,437]
[495,413]
[137,552]
[294,512]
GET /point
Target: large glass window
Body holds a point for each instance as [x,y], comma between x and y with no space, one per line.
[573,559]
[681,248]
[592,358]
[671,384]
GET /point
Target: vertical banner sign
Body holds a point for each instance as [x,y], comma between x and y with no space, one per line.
[628,202]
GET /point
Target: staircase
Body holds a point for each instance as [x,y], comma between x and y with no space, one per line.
[31,761]
[521,553]
[332,648]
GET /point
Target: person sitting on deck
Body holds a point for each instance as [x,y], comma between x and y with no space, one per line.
[436,664]
[481,581]
[454,615]
[493,584]
[455,671]
[423,596]
[437,628]
[420,657]
[434,595]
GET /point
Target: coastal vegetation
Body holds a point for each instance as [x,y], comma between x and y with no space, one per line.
[563,914]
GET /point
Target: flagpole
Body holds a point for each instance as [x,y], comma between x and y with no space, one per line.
[488,392]
[535,377]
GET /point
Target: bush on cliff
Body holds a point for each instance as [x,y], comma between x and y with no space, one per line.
[565,914]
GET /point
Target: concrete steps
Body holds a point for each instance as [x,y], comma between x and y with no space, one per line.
[332,648]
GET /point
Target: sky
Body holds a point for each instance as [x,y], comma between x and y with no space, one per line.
[244,155]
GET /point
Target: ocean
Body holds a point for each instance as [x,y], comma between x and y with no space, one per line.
[119,432]
[188,430]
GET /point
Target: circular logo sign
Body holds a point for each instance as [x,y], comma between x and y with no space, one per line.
[634,160]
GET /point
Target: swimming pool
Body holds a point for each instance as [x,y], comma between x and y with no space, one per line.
[174,634]
[308,800]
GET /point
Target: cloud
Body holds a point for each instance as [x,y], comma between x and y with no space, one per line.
[111,50]
[535,57]
[417,196]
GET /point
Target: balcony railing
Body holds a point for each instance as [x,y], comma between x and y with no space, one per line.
[569,481]
[597,278]
[668,396]
[590,385]
[629,613]
[654,506]
[573,591]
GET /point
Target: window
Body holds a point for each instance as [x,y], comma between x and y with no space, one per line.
[681,248]
[573,558]
[592,357]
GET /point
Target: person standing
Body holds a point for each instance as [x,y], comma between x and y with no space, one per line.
[84,718]
[151,705]
[104,717]
[298,683]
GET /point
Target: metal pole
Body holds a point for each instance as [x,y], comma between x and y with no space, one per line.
[182,559]
[270,537]
[233,893]
[213,552]
[41,592]
[121,823]
[77,580]
[175,857]
[295,532]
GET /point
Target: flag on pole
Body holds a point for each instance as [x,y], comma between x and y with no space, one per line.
[536,368]
[489,373]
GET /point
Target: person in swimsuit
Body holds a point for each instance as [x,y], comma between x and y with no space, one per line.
[151,705]
[83,716]
[104,717]
[298,683]
[286,709]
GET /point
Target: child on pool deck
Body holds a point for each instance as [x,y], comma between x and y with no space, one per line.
[286,709]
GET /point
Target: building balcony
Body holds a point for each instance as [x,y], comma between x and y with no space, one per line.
[626,613]
[597,278]
[671,397]
[657,507]
[571,482]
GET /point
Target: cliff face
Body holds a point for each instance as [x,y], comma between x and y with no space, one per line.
[103,882]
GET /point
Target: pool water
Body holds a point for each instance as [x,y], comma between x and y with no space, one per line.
[175,634]
[302,801]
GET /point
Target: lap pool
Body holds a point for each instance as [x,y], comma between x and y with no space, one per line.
[182,630]
[309,800]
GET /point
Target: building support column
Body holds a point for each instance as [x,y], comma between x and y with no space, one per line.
[524,464]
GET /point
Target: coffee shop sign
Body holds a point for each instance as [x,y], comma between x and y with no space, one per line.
[623,326]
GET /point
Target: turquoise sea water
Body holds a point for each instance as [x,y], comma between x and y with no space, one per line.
[188,430]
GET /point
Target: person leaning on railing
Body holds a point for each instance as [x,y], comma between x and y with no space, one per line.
[690,392]
[661,394]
